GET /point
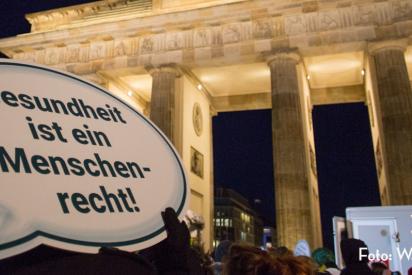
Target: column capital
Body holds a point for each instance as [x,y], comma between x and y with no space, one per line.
[293,56]
[167,68]
[379,46]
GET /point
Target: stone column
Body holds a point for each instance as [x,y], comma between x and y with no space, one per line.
[293,215]
[162,104]
[395,108]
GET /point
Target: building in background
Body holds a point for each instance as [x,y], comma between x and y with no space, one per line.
[269,237]
[235,220]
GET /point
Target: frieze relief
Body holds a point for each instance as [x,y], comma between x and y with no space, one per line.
[147,45]
[312,21]
[360,15]
[109,47]
[39,56]
[262,29]
[401,9]
[217,38]
[295,24]
[72,53]
[120,48]
[278,25]
[84,52]
[175,40]
[202,37]
[319,27]
[384,14]
[97,50]
[345,17]
[127,46]
[52,55]
[365,15]
[329,20]
[231,33]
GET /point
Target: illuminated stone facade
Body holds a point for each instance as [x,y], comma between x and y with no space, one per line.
[167,56]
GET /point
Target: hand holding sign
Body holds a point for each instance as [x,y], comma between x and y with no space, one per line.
[79,168]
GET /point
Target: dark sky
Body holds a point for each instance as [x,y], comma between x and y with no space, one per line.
[243,146]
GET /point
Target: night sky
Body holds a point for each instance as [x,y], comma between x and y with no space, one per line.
[243,146]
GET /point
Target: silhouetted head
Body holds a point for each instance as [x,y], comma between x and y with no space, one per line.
[351,249]
[323,256]
[222,250]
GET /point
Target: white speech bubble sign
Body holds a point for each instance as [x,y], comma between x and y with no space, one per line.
[79,168]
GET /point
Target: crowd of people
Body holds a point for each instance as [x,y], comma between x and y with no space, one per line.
[175,256]
[234,259]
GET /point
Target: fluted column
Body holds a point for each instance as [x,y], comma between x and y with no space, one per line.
[395,109]
[293,216]
[162,104]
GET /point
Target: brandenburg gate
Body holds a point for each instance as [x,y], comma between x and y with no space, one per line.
[180,62]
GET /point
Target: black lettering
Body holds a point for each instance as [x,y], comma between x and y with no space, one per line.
[62,199]
[79,136]
[123,197]
[92,199]
[74,108]
[79,200]
[53,163]
[46,132]
[9,98]
[59,106]
[134,166]
[86,109]
[26,101]
[100,137]
[87,163]
[58,130]
[46,108]
[121,169]
[76,167]
[103,114]
[38,163]
[109,196]
[20,158]
[102,164]
[119,115]
[32,128]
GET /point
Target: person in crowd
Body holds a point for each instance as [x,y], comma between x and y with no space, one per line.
[325,260]
[221,252]
[302,249]
[302,252]
[308,261]
[380,268]
[351,249]
[206,260]
[249,260]
[280,251]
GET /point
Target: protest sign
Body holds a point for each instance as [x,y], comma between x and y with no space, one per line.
[79,168]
